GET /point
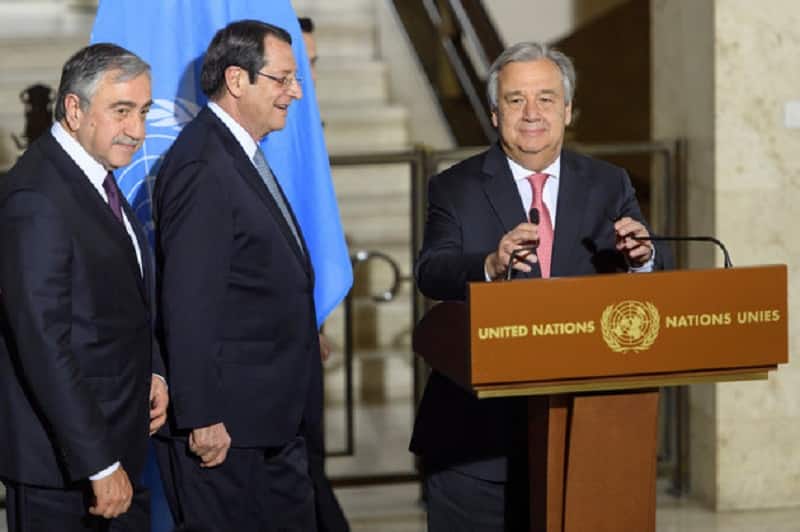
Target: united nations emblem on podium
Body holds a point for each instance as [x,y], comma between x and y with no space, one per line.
[630,326]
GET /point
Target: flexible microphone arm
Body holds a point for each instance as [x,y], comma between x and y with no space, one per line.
[653,238]
[515,257]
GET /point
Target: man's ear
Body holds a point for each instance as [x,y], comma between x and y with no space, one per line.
[494,117]
[73,112]
[235,78]
[568,114]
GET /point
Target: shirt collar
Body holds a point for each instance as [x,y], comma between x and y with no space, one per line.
[88,164]
[520,172]
[242,137]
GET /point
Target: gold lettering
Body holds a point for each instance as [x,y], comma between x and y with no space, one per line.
[502,332]
[699,320]
[758,316]
[570,327]
[520,331]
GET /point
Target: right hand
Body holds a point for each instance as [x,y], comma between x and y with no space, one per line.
[112,495]
[522,235]
[325,347]
[211,444]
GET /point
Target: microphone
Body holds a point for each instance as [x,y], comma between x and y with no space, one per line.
[533,216]
[653,238]
[668,238]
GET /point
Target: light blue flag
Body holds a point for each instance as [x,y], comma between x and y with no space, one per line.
[172,35]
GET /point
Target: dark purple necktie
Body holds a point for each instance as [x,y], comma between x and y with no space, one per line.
[112,192]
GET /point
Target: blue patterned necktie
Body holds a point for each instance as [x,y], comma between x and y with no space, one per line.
[272,185]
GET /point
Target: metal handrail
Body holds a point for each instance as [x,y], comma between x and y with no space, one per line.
[443,32]
[415,158]
[357,259]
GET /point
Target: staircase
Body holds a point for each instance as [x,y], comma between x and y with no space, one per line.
[353,94]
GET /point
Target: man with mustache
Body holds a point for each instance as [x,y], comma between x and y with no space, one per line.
[474,452]
[78,397]
[237,300]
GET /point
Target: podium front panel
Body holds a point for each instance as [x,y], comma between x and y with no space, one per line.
[642,324]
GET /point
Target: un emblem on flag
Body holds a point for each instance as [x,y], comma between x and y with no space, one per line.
[164,121]
[630,326]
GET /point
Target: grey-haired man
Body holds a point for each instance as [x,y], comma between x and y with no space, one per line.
[475,451]
[78,397]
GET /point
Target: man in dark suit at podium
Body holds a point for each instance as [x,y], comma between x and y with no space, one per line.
[474,451]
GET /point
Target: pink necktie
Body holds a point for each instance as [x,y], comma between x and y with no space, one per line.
[545,250]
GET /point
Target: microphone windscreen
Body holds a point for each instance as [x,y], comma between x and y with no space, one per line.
[533,216]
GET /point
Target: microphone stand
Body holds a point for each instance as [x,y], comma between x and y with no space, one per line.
[653,238]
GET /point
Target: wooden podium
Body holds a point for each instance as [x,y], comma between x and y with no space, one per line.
[590,353]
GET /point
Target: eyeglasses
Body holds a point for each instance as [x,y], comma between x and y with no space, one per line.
[285,82]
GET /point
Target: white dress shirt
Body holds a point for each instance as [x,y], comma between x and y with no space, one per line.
[96,174]
[239,133]
[550,192]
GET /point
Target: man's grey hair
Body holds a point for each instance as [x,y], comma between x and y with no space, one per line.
[531,51]
[83,71]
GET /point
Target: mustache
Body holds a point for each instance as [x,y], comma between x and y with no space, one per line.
[125,140]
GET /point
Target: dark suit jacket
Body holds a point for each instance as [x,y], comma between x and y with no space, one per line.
[77,346]
[470,207]
[236,294]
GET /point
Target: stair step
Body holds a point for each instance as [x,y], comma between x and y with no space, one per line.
[315,8]
[43,20]
[360,81]
[344,33]
[373,181]
[355,129]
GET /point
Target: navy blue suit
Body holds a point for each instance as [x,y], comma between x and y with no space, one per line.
[238,311]
[470,207]
[78,348]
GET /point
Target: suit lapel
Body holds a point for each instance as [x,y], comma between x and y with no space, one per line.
[92,205]
[501,190]
[244,166]
[573,193]
[502,193]
[146,277]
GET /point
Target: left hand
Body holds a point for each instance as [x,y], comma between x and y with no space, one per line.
[159,399]
[638,252]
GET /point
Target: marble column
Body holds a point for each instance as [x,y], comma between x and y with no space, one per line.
[723,71]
